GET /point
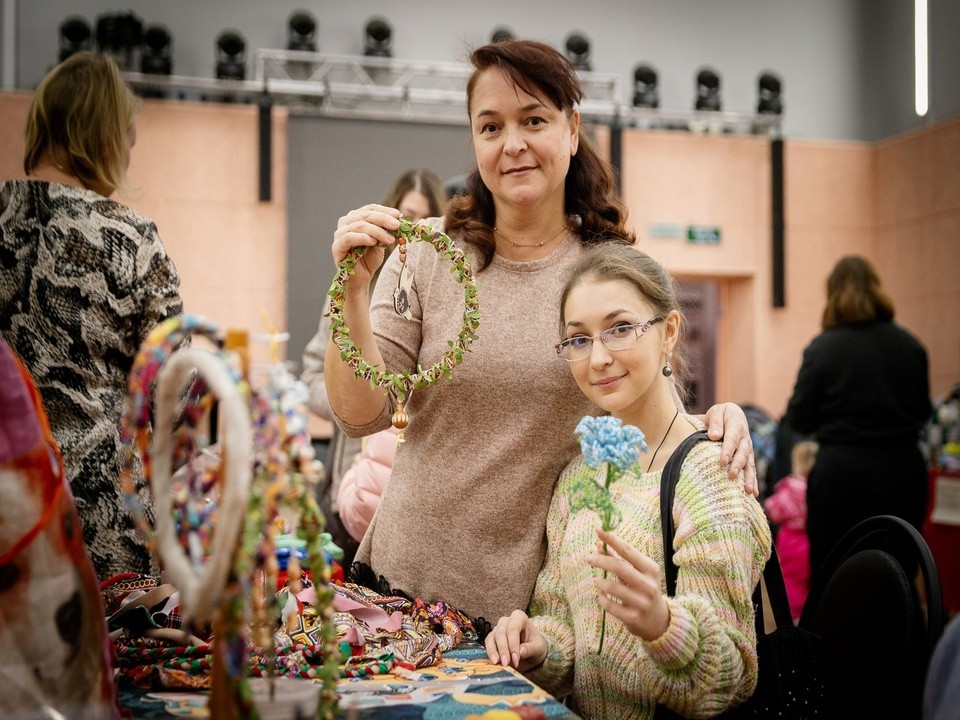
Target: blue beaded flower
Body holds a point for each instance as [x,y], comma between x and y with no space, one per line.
[607,439]
[604,440]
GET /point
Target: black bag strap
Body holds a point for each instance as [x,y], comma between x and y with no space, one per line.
[772,575]
[668,489]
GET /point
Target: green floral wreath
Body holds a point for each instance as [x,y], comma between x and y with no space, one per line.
[402,384]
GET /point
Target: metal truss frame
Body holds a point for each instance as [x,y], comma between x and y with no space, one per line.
[378,88]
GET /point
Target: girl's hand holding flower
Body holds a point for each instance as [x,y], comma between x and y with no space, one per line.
[631,590]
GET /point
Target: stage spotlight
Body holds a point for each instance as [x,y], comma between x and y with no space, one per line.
[231,56]
[302,32]
[501,33]
[378,38]
[75,35]
[645,93]
[578,51]
[156,52]
[708,90]
[119,35]
[769,89]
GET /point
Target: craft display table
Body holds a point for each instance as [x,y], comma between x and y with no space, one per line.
[942,533]
[464,683]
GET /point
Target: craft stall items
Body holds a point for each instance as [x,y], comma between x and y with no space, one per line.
[218,518]
[224,563]
[54,653]
[941,529]
[463,685]
[400,385]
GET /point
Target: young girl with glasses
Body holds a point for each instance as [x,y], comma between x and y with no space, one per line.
[694,652]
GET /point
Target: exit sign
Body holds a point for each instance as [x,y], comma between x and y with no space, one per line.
[703,235]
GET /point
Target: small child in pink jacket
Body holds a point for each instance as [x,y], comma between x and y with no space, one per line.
[787,507]
[362,484]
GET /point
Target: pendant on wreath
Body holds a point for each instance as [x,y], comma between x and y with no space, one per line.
[401,294]
[400,421]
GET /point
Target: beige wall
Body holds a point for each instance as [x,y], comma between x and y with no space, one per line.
[918,232]
[721,181]
[195,166]
[830,211]
[897,202]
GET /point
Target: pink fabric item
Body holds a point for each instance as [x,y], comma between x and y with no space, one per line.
[787,507]
[362,484]
[376,618]
[19,427]
[55,657]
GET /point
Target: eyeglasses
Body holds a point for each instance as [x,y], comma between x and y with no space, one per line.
[616,338]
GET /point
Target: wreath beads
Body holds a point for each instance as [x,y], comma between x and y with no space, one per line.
[401,385]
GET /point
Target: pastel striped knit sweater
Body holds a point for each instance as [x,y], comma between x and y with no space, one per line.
[706,661]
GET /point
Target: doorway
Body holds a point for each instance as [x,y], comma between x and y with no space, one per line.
[699,300]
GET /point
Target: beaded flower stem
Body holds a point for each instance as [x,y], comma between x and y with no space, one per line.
[604,440]
[401,385]
[606,526]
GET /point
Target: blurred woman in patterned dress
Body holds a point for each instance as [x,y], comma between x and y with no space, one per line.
[83,280]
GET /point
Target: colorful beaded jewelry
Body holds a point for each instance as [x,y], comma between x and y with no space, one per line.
[281,469]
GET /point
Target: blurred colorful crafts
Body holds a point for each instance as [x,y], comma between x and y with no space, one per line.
[219,515]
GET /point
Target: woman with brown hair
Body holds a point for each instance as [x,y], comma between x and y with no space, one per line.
[863,391]
[462,518]
[83,280]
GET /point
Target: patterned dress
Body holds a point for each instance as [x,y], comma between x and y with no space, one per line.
[83,279]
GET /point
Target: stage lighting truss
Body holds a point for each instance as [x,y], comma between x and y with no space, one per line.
[378,88]
[350,85]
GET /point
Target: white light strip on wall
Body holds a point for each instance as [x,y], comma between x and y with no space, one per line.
[921,81]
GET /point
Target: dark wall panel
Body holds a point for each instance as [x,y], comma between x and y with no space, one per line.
[335,166]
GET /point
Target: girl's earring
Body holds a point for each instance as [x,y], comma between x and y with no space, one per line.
[667,370]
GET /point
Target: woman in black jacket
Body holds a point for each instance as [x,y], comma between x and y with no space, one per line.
[863,390]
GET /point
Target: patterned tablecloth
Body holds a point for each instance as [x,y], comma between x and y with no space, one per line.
[463,683]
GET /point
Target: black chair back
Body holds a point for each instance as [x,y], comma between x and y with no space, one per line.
[878,632]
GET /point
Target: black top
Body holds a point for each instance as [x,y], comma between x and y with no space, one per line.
[862,384]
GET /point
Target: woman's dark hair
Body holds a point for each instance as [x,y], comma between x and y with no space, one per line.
[855,294]
[590,192]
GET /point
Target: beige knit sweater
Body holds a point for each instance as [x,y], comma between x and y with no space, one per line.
[706,661]
[462,518]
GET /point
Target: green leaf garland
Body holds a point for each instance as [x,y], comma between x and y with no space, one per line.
[401,384]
